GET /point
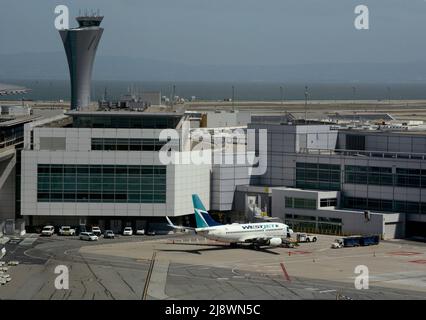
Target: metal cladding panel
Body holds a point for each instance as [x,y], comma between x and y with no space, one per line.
[80,46]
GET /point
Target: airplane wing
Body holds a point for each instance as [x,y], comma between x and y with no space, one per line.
[178,227]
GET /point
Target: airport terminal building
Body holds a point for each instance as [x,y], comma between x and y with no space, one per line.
[104,169]
[372,170]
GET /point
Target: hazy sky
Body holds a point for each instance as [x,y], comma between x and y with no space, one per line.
[260,32]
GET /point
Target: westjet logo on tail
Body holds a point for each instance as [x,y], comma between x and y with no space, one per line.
[202,217]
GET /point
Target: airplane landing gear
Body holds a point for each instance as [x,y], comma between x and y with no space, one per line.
[255,246]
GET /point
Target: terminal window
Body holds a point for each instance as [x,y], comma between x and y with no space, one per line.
[317,176]
[101,183]
[112,144]
[383,176]
[332,202]
[355,142]
[384,205]
[300,203]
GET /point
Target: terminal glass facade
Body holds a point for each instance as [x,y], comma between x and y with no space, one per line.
[384,205]
[300,203]
[317,176]
[101,183]
[383,176]
[411,178]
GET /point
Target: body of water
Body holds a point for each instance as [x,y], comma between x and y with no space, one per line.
[60,89]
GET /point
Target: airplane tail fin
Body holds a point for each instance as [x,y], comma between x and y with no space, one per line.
[202,217]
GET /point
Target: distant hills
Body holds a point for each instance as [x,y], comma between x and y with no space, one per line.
[53,66]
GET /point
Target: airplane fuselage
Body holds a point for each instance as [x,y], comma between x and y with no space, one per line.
[238,233]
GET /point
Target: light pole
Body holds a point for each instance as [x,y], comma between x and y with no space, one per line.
[233,99]
[306,104]
[173,95]
[389,94]
[353,94]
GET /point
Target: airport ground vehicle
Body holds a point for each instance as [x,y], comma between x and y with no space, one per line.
[286,243]
[127,231]
[338,243]
[109,234]
[97,231]
[370,240]
[89,236]
[48,231]
[355,241]
[66,231]
[2,252]
[304,237]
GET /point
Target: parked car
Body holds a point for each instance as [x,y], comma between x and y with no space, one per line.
[151,233]
[140,232]
[109,234]
[66,231]
[89,236]
[127,231]
[48,231]
[97,231]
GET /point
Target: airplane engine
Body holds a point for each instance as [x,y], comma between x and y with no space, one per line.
[275,242]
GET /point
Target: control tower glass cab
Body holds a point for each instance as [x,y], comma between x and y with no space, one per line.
[80,46]
[85,22]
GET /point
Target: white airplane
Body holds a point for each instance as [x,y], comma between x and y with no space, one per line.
[256,234]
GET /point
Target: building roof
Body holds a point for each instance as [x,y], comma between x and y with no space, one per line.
[362,116]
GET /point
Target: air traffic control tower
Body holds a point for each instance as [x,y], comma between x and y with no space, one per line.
[80,46]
